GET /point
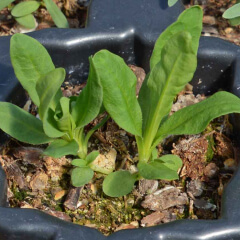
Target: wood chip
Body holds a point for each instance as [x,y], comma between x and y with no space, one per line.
[72,198]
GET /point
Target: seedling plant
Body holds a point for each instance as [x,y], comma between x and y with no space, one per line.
[61,120]
[172,65]
[111,86]
[23,12]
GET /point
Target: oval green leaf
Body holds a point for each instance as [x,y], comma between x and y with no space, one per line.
[92,156]
[47,87]
[171,161]
[157,169]
[166,80]
[119,91]
[195,118]
[5,3]
[27,21]
[118,184]
[25,8]
[30,61]
[79,163]
[81,176]
[21,125]
[58,17]
[89,101]
[234,21]
[191,21]
[60,147]
[232,12]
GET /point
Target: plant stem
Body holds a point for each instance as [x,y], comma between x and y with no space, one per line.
[80,138]
[144,152]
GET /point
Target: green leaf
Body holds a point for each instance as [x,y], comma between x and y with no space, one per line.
[50,125]
[60,147]
[100,124]
[190,20]
[30,61]
[25,8]
[81,176]
[234,21]
[21,125]
[119,97]
[164,168]
[171,161]
[47,87]
[5,3]
[171,2]
[79,163]
[92,156]
[56,14]
[154,154]
[118,183]
[73,100]
[63,117]
[55,101]
[89,101]
[165,81]
[27,21]
[195,118]
[232,12]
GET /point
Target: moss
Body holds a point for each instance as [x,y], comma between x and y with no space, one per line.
[210,151]
[19,195]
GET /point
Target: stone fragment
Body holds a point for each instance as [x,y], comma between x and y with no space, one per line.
[56,167]
[195,187]
[131,225]
[158,218]
[210,20]
[105,163]
[39,181]
[147,186]
[211,170]
[185,100]
[203,204]
[165,198]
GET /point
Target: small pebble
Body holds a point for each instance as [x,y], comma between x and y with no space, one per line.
[230,164]
[211,170]
[195,187]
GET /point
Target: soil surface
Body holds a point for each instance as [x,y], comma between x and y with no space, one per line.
[42,182]
[213,23]
[74,10]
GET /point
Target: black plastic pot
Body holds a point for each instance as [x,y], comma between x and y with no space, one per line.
[128,28]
